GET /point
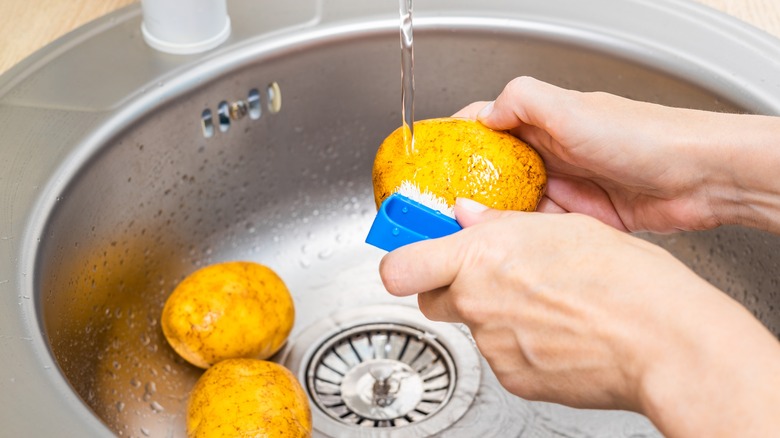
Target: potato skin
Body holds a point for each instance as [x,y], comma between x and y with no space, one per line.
[462,158]
[248,398]
[228,310]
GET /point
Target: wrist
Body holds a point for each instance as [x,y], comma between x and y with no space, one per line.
[717,376]
[740,158]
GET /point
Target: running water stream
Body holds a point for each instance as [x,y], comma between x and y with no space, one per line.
[407,74]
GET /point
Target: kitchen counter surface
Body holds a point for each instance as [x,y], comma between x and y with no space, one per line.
[29,25]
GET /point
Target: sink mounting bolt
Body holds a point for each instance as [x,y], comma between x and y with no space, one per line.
[238,110]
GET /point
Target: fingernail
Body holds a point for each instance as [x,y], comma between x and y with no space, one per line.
[470,205]
[485,112]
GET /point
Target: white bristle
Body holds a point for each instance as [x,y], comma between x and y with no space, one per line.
[426,198]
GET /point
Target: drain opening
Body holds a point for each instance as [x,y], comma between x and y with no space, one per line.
[381,375]
[384,370]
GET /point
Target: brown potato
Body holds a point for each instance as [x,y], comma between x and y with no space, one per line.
[228,310]
[461,158]
[248,398]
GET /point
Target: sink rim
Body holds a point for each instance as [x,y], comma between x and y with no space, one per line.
[23,269]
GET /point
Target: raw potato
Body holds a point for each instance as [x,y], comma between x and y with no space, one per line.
[248,398]
[228,310]
[462,158]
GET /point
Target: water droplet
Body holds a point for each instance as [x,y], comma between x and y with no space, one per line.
[120,406]
[156,407]
[396,231]
[145,431]
[405,210]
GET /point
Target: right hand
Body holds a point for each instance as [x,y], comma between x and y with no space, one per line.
[634,165]
[568,310]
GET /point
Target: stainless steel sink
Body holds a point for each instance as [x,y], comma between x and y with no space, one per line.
[123,170]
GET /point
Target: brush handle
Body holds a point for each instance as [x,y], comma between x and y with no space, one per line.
[401,221]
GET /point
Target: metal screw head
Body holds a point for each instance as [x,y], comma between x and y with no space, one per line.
[238,110]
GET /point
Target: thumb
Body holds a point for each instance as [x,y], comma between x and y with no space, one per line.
[524,101]
[469,212]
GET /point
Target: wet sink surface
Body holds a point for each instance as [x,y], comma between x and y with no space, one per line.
[292,189]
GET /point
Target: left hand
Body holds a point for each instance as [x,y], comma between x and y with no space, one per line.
[639,166]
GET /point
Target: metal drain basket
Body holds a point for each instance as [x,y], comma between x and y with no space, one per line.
[383,371]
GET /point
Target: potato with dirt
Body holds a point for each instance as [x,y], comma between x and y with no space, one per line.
[228,310]
[248,398]
[454,158]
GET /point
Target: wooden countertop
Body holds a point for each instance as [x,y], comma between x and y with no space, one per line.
[28,25]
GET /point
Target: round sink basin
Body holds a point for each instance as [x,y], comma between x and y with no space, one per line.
[262,150]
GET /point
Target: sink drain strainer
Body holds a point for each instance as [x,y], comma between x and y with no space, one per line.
[385,369]
[381,375]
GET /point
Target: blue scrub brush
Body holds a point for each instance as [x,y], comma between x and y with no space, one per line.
[410,215]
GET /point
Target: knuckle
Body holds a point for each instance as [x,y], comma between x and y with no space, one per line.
[517,86]
[462,306]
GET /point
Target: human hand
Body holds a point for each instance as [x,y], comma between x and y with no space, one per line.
[555,303]
[636,166]
[568,310]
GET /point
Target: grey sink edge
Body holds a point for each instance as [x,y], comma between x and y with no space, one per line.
[35,398]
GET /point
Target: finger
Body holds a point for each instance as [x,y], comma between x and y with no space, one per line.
[422,266]
[543,143]
[470,111]
[469,212]
[526,100]
[578,195]
[547,205]
[436,305]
